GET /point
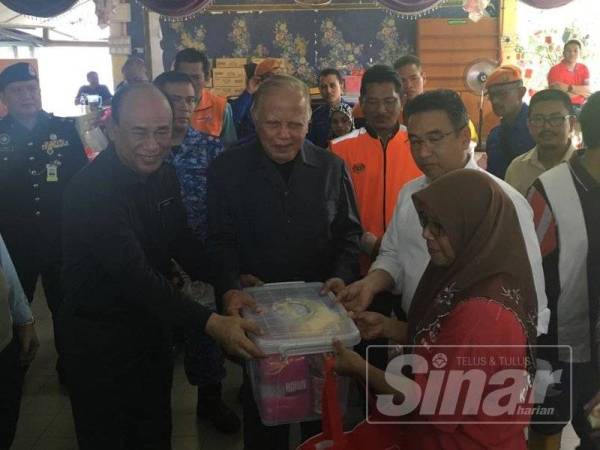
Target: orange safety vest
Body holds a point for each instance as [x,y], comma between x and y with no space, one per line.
[209,114]
[378,174]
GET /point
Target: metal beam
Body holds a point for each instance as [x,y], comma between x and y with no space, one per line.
[55,43]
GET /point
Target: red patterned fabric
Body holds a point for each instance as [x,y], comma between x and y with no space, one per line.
[175,8]
[545,224]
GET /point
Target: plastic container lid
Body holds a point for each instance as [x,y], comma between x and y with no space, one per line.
[297,320]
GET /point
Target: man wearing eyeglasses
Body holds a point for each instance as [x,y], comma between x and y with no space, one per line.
[439,139]
[565,203]
[212,114]
[511,138]
[191,154]
[551,121]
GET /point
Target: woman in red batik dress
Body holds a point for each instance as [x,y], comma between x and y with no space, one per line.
[477,290]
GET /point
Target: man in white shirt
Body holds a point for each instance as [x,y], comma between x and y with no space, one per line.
[439,137]
[551,120]
[18,345]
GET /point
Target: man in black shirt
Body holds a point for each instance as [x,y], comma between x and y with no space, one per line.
[93,88]
[280,209]
[565,203]
[124,222]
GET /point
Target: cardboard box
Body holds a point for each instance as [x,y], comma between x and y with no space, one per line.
[259,60]
[227,91]
[230,62]
[229,72]
[229,82]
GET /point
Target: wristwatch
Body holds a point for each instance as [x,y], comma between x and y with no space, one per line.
[570,88]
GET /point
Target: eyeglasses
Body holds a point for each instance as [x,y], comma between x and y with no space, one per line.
[432,139]
[434,228]
[187,101]
[553,121]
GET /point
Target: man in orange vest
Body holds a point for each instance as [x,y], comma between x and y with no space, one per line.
[378,155]
[212,114]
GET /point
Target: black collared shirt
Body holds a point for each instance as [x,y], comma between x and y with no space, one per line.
[305,230]
[35,167]
[120,233]
[589,194]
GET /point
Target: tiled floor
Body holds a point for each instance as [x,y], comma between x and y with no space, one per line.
[46,421]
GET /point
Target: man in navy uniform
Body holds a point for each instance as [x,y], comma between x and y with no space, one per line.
[39,153]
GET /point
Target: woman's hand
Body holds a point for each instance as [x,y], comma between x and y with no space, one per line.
[347,362]
[370,324]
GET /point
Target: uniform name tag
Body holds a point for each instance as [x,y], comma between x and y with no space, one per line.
[51,173]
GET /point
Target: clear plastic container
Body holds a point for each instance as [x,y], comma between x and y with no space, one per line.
[298,326]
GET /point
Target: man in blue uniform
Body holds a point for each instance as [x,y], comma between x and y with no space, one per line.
[192,152]
[511,138]
[39,153]
[330,86]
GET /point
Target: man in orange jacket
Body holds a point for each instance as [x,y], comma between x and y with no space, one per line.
[212,114]
[378,155]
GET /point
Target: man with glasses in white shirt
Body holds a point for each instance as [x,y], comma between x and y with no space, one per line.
[439,139]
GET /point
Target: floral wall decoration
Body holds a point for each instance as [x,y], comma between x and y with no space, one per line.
[393,47]
[293,49]
[189,38]
[240,37]
[340,54]
[310,40]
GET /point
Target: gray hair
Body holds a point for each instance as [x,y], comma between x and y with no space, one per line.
[281,82]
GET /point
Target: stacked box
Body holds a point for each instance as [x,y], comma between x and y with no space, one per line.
[281,61]
[228,81]
[223,63]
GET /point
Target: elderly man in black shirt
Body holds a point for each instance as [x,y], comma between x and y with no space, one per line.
[124,222]
[280,209]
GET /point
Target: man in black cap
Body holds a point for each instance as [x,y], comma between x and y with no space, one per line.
[39,153]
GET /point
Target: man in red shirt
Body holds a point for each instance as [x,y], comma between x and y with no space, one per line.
[570,76]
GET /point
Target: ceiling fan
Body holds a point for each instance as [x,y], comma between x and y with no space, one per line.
[475,75]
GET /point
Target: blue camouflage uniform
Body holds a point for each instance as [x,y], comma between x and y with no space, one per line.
[204,362]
